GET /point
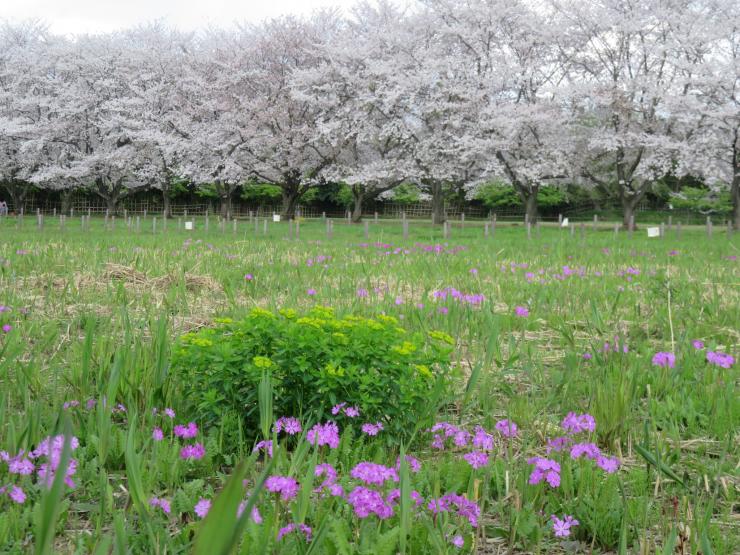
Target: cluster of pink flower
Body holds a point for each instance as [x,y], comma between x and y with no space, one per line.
[667,359]
[330,482]
[23,464]
[195,451]
[15,493]
[286,486]
[476,459]
[723,360]
[324,434]
[521,311]
[161,503]
[562,527]
[373,474]
[51,448]
[287,424]
[466,508]
[372,429]
[202,507]
[481,439]
[367,501]
[544,469]
[342,408]
[574,424]
[473,299]
[507,428]
[168,412]
[292,527]
[266,445]
[664,359]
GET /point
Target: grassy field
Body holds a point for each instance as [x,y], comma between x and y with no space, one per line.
[648,461]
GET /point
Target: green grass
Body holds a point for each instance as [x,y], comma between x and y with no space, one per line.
[96,312]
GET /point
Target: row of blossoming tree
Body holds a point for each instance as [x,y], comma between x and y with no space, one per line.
[612,94]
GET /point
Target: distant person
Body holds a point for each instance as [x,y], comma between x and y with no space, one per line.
[3,208]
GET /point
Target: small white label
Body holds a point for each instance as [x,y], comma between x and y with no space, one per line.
[276,217]
[565,223]
[189,226]
[653,232]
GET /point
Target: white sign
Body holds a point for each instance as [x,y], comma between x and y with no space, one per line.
[276,217]
[653,232]
[565,223]
[189,226]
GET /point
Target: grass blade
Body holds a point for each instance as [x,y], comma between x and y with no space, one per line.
[660,465]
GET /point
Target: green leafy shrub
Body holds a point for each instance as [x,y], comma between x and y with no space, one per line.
[405,193]
[498,195]
[702,200]
[502,195]
[316,361]
[262,193]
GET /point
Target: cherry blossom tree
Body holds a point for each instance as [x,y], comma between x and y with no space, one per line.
[708,113]
[623,74]
[82,131]
[209,123]
[23,48]
[421,86]
[150,112]
[349,87]
[507,71]
[445,95]
[289,141]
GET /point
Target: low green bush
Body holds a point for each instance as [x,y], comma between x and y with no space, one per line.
[315,360]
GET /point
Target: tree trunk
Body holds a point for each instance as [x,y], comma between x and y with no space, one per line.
[735,195]
[438,203]
[111,202]
[67,201]
[358,195]
[530,205]
[165,203]
[225,204]
[291,195]
[18,192]
[628,211]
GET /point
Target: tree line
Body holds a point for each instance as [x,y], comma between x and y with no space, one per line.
[446,95]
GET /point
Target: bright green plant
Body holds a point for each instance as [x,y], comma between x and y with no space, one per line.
[262,193]
[315,361]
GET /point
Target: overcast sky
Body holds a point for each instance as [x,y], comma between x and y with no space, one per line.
[91,16]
